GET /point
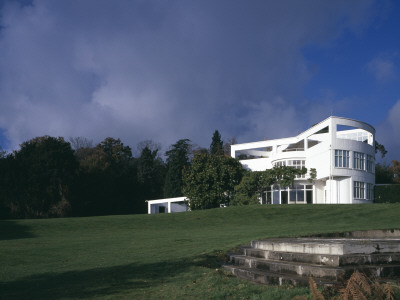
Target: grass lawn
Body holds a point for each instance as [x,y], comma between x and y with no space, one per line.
[162,256]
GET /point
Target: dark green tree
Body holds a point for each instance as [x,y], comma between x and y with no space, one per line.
[94,188]
[380,148]
[8,184]
[216,147]
[150,174]
[247,191]
[210,180]
[283,176]
[115,150]
[178,158]
[383,174]
[44,172]
[107,182]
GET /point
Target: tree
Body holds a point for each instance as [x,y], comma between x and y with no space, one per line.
[178,158]
[107,182]
[396,171]
[153,146]
[227,145]
[284,175]
[93,192]
[8,184]
[196,149]
[380,148]
[80,142]
[150,175]
[254,183]
[92,159]
[247,191]
[313,175]
[2,153]
[44,170]
[210,180]
[383,174]
[115,150]
[216,147]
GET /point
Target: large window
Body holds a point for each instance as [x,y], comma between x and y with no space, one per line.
[297,194]
[370,163]
[359,161]
[342,158]
[359,190]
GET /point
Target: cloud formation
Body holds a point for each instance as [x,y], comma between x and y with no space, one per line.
[164,70]
[382,69]
[389,133]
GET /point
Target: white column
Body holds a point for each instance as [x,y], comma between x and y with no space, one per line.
[233,152]
[148,208]
[169,207]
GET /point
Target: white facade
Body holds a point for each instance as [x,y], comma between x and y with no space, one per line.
[168,205]
[341,150]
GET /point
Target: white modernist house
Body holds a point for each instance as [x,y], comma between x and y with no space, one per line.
[341,150]
[168,205]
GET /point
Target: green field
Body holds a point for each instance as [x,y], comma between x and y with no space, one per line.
[172,256]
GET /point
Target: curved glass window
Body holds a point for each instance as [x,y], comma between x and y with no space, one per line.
[342,159]
[359,161]
[359,190]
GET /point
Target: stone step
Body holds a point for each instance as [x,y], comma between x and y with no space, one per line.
[324,259]
[317,271]
[273,278]
[329,246]
[288,268]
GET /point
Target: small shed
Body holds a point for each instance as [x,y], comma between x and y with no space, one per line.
[168,205]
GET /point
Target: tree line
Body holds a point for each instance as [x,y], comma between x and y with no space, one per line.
[52,177]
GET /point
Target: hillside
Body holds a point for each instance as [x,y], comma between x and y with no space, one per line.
[171,256]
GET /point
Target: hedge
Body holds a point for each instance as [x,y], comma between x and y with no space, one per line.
[388,193]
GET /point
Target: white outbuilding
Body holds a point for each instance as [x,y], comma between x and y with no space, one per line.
[167,205]
[341,150]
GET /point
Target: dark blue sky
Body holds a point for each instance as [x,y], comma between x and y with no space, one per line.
[166,70]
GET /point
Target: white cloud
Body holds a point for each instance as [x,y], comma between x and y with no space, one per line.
[388,133]
[161,70]
[382,69]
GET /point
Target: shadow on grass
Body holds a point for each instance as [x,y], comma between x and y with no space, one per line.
[11,230]
[99,282]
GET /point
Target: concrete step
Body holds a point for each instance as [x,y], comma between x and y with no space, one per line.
[324,259]
[288,268]
[317,271]
[329,246]
[269,278]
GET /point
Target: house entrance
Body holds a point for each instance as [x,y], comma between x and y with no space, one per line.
[284,197]
[309,197]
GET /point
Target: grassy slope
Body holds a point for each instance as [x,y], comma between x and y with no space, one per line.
[160,256]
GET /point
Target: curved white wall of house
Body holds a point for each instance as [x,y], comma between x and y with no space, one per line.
[288,156]
[256,164]
[332,184]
